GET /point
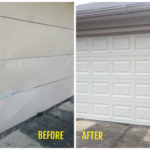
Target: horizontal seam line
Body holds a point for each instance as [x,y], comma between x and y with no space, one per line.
[36,23]
[99,55]
[113,27]
[91,76]
[14,93]
[34,57]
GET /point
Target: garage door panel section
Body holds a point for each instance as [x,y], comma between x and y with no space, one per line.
[82,45]
[107,111]
[122,67]
[113,66]
[101,89]
[83,67]
[37,12]
[142,67]
[114,80]
[142,113]
[100,45]
[22,74]
[142,43]
[101,110]
[83,88]
[114,88]
[121,43]
[100,67]
[143,90]
[122,90]
[33,40]
[83,108]
[115,111]
[19,107]
[116,45]
[122,112]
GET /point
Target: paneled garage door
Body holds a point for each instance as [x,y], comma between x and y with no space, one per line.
[113,78]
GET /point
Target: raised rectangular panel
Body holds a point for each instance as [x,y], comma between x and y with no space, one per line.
[100,109]
[82,108]
[82,88]
[121,67]
[100,67]
[121,43]
[143,67]
[143,90]
[82,45]
[142,42]
[122,90]
[143,113]
[100,89]
[82,67]
[100,45]
[122,111]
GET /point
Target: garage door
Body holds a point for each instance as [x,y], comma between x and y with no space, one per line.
[113,78]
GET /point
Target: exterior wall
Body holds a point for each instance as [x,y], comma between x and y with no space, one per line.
[36,59]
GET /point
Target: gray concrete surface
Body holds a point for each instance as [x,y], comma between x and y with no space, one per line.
[50,123]
[62,115]
[54,119]
[136,137]
[115,135]
[18,139]
[67,106]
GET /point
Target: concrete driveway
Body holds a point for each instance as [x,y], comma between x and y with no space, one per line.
[115,135]
[58,118]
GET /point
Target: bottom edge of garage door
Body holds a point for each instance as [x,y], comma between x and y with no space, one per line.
[79,116]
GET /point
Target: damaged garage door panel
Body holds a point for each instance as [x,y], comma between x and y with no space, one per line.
[20,107]
[23,39]
[22,74]
[45,13]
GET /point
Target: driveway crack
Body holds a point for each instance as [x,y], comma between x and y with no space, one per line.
[120,137]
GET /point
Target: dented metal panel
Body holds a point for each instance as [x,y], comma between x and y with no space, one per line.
[20,39]
[57,14]
[36,59]
[20,107]
[21,74]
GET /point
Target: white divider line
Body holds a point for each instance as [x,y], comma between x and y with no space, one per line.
[14,93]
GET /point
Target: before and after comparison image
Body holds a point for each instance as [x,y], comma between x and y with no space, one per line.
[75,74]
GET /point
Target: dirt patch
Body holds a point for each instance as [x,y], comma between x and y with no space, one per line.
[147,137]
[82,125]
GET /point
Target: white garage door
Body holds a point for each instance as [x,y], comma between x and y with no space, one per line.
[113,78]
